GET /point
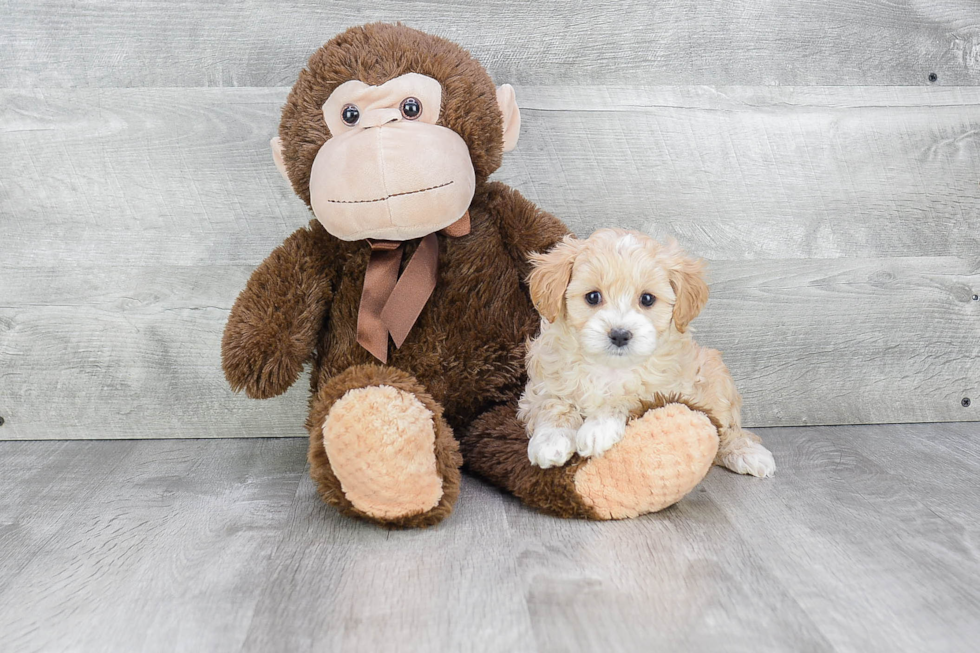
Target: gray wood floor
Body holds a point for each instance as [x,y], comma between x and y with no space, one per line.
[868,539]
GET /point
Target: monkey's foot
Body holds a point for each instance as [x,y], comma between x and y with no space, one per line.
[663,455]
[384,452]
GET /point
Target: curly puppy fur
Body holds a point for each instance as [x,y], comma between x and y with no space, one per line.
[617,308]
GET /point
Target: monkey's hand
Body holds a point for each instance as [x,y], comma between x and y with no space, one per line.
[275,322]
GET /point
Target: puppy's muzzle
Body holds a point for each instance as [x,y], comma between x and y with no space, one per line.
[620,337]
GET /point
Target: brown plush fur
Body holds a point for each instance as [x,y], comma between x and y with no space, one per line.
[464,358]
[277,319]
[465,353]
[496,449]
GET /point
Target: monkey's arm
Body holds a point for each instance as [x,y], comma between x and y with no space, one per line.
[523,226]
[276,320]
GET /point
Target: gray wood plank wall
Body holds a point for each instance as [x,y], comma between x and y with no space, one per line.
[801,148]
[49,43]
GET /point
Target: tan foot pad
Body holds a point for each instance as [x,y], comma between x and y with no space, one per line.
[663,455]
[381,446]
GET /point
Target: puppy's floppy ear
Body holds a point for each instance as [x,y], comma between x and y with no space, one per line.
[686,277]
[550,276]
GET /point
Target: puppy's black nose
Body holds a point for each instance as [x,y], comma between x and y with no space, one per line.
[620,337]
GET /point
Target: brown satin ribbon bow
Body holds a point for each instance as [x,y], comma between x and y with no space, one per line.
[392,304]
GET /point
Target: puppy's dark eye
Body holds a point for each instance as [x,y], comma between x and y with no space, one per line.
[593,298]
[411,108]
[647,299]
[350,115]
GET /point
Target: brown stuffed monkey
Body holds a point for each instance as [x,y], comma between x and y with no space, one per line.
[408,295]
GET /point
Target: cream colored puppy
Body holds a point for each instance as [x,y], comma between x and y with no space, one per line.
[614,331]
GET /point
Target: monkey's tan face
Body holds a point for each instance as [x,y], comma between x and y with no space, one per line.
[389,171]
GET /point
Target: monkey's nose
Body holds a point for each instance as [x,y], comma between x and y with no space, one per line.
[381,124]
[620,337]
[379,117]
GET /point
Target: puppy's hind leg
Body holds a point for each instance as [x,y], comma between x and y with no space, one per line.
[743,453]
[738,449]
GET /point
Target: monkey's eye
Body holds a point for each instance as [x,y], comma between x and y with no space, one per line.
[593,298]
[350,115]
[646,299]
[411,108]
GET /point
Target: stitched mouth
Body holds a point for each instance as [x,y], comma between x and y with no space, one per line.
[382,199]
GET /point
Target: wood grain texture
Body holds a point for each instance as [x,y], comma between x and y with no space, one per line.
[123,352]
[860,527]
[131,218]
[159,176]
[739,173]
[450,588]
[159,546]
[184,176]
[40,487]
[46,43]
[843,341]
[865,540]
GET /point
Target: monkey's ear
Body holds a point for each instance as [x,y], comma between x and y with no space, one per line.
[550,276]
[507,102]
[277,157]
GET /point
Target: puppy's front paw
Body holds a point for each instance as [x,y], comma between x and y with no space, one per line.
[598,434]
[551,447]
[747,457]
